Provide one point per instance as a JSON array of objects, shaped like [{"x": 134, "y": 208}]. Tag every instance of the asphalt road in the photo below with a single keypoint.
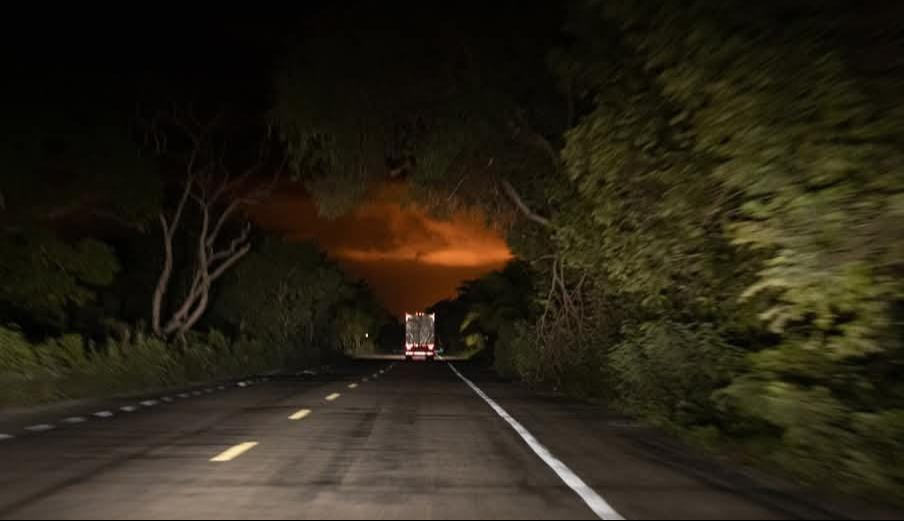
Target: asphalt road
[{"x": 414, "y": 442}]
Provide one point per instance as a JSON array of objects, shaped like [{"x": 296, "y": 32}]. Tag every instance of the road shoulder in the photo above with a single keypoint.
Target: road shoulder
[{"x": 640, "y": 469}]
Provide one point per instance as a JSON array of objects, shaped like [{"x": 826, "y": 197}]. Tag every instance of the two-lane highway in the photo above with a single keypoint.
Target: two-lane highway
[{"x": 378, "y": 439}]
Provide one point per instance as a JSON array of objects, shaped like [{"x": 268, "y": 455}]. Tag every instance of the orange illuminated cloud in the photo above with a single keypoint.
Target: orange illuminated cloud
[
  {"x": 409, "y": 258},
  {"x": 447, "y": 257}
]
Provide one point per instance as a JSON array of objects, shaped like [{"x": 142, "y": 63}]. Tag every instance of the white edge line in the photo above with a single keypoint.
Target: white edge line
[{"x": 597, "y": 504}]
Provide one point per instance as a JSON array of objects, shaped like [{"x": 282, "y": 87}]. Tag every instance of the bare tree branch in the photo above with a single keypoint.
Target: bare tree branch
[
  {"x": 237, "y": 256},
  {"x": 519, "y": 202},
  {"x": 164, "y": 278},
  {"x": 233, "y": 247},
  {"x": 219, "y": 197},
  {"x": 458, "y": 186},
  {"x": 169, "y": 231}
]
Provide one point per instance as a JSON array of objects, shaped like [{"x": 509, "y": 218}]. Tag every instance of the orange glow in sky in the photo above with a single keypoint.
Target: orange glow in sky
[{"x": 410, "y": 259}]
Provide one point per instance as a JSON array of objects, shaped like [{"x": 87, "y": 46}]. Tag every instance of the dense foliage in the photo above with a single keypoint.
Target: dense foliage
[
  {"x": 711, "y": 209},
  {"x": 290, "y": 295},
  {"x": 71, "y": 367}
]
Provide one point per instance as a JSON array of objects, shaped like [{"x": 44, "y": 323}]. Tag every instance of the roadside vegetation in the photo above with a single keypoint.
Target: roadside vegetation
[
  {"x": 128, "y": 262},
  {"x": 707, "y": 205}
]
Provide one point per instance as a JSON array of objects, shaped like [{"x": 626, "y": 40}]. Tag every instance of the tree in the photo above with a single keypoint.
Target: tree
[
  {"x": 285, "y": 292},
  {"x": 219, "y": 195},
  {"x": 450, "y": 314},
  {"x": 41, "y": 277},
  {"x": 356, "y": 329},
  {"x": 497, "y": 298},
  {"x": 803, "y": 149},
  {"x": 737, "y": 193},
  {"x": 484, "y": 308}
]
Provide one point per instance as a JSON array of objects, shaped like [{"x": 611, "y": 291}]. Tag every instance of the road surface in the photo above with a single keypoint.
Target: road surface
[{"x": 417, "y": 441}]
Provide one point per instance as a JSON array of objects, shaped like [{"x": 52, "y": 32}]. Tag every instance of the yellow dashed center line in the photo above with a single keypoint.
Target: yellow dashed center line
[
  {"x": 234, "y": 452},
  {"x": 333, "y": 397},
  {"x": 300, "y": 415}
]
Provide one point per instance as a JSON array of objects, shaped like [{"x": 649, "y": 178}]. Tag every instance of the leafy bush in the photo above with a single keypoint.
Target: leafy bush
[
  {"x": 510, "y": 349},
  {"x": 667, "y": 371},
  {"x": 832, "y": 418},
  {"x": 40, "y": 275}
]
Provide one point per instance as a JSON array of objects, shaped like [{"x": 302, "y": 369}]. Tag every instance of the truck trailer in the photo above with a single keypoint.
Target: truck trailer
[{"x": 420, "y": 336}]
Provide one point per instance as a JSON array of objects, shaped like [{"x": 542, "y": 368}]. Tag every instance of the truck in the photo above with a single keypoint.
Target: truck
[{"x": 420, "y": 336}]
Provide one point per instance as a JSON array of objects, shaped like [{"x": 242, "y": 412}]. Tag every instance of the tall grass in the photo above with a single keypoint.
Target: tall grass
[{"x": 69, "y": 367}]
